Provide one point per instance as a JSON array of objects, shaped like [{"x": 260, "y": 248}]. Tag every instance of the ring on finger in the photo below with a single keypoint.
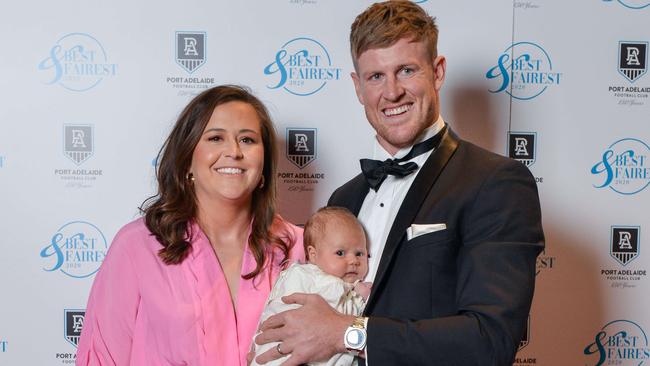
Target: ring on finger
[{"x": 277, "y": 348}]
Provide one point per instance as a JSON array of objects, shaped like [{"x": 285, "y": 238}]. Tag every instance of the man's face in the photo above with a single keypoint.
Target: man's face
[{"x": 399, "y": 88}]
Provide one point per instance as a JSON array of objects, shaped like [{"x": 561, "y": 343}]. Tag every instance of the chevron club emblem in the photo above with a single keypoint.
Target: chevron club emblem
[
  {"x": 78, "y": 144},
  {"x": 632, "y": 59},
  {"x": 190, "y": 50},
  {"x": 301, "y": 146},
  {"x": 73, "y": 324},
  {"x": 624, "y": 243}
]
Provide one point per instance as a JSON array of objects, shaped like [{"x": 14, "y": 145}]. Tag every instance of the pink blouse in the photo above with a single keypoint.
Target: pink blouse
[{"x": 144, "y": 312}]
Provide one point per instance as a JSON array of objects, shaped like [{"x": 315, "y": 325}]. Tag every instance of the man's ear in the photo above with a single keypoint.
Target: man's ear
[
  {"x": 357, "y": 86},
  {"x": 439, "y": 71}
]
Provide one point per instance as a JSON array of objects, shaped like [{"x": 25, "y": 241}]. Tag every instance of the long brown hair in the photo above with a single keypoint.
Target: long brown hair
[{"x": 169, "y": 213}]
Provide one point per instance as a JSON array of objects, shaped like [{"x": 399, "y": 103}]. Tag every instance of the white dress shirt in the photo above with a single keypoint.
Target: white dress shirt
[{"x": 380, "y": 208}]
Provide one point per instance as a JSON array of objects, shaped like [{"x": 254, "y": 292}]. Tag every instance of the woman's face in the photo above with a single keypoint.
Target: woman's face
[{"x": 228, "y": 160}]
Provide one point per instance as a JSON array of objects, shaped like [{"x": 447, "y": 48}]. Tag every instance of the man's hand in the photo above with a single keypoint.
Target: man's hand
[{"x": 313, "y": 332}]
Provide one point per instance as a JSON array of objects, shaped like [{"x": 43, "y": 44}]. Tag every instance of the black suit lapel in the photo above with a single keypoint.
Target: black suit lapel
[
  {"x": 351, "y": 195},
  {"x": 411, "y": 205}
]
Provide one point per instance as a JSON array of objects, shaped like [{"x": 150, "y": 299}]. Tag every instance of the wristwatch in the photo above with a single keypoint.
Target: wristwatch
[{"x": 355, "y": 336}]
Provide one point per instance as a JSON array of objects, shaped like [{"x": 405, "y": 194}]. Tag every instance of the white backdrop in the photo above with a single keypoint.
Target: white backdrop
[{"x": 90, "y": 91}]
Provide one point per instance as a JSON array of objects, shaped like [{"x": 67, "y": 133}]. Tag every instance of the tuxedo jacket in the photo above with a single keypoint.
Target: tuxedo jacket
[{"x": 458, "y": 296}]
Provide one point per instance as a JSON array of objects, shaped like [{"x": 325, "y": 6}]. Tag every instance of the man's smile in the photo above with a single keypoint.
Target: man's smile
[{"x": 389, "y": 112}]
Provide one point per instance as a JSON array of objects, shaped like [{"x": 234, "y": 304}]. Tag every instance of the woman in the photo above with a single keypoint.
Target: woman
[{"x": 186, "y": 284}]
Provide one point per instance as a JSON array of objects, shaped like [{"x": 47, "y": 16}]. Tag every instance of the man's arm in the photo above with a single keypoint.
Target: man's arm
[
  {"x": 501, "y": 238},
  {"x": 313, "y": 332},
  {"x": 301, "y": 282}
]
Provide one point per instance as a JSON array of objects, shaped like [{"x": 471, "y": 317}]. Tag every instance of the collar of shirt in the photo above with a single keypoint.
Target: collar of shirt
[{"x": 380, "y": 154}]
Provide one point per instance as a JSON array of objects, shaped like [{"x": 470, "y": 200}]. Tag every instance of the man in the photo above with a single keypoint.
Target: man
[{"x": 454, "y": 230}]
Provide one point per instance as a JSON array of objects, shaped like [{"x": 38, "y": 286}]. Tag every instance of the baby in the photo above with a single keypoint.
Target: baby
[{"x": 335, "y": 245}]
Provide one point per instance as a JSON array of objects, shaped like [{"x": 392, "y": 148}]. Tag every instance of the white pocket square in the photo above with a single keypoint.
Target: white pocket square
[{"x": 420, "y": 229}]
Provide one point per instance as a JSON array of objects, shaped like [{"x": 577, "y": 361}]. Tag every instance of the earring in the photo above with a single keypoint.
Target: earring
[
  {"x": 189, "y": 176},
  {"x": 261, "y": 185}
]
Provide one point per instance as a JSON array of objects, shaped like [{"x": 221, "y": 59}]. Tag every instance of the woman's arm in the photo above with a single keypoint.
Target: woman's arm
[{"x": 112, "y": 309}]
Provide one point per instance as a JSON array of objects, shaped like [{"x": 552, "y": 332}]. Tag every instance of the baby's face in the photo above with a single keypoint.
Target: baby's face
[{"x": 341, "y": 251}]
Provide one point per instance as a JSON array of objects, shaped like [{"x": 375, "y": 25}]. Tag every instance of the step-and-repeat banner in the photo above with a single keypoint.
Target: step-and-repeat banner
[{"x": 90, "y": 91}]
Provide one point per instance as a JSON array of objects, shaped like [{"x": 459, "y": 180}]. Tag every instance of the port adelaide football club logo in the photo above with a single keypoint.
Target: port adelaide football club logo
[
  {"x": 190, "y": 50},
  {"x": 73, "y": 322},
  {"x": 624, "y": 244},
  {"x": 522, "y": 146},
  {"x": 301, "y": 146},
  {"x": 190, "y": 55},
  {"x": 78, "y": 142},
  {"x": 78, "y": 148},
  {"x": 624, "y": 248},
  {"x": 632, "y": 62},
  {"x": 632, "y": 59},
  {"x": 301, "y": 151}
]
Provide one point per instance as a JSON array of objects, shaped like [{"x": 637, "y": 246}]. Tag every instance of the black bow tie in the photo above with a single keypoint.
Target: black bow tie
[{"x": 376, "y": 171}]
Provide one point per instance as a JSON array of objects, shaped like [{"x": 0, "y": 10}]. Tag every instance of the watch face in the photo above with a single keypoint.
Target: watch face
[{"x": 355, "y": 338}]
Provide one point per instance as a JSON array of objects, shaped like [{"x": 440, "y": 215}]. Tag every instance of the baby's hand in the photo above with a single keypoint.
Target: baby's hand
[{"x": 363, "y": 289}]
